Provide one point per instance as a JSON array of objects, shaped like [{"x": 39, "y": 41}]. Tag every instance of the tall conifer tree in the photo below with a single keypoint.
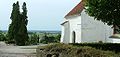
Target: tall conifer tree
[
  {"x": 14, "y": 26},
  {"x": 17, "y": 29},
  {"x": 23, "y": 26}
]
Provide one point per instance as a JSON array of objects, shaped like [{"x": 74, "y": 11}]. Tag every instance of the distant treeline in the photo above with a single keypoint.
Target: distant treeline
[{"x": 40, "y": 31}]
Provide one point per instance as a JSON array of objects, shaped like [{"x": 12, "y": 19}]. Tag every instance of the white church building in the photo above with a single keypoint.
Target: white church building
[{"x": 78, "y": 27}]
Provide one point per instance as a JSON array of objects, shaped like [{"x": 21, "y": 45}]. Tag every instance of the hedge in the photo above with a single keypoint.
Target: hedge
[
  {"x": 115, "y": 47},
  {"x": 66, "y": 50}
]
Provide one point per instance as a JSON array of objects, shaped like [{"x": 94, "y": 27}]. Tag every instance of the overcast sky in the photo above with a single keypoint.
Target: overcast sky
[{"x": 42, "y": 14}]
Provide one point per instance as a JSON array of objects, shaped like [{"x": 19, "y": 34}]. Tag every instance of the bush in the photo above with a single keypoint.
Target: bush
[{"x": 65, "y": 50}]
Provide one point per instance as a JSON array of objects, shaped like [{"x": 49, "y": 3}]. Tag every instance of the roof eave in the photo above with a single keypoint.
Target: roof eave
[
  {"x": 64, "y": 22},
  {"x": 72, "y": 16}
]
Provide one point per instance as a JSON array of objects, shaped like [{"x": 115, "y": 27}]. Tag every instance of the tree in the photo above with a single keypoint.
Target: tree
[
  {"x": 14, "y": 26},
  {"x": 107, "y": 11},
  {"x": 17, "y": 30},
  {"x": 22, "y": 32}
]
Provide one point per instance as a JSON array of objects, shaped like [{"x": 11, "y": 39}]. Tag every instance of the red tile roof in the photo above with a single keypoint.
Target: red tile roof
[{"x": 76, "y": 10}]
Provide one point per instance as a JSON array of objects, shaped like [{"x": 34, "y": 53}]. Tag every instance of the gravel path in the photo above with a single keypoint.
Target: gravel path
[{"x": 17, "y": 51}]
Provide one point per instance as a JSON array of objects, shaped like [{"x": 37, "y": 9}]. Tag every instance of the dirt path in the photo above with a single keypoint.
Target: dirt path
[{"x": 17, "y": 51}]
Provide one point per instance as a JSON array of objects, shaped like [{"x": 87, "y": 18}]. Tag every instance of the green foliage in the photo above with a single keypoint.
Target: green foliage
[
  {"x": 17, "y": 29},
  {"x": 50, "y": 39},
  {"x": 57, "y": 38},
  {"x": 34, "y": 39},
  {"x": 12, "y": 32},
  {"x": 115, "y": 47},
  {"x": 65, "y": 50},
  {"x": 107, "y": 11},
  {"x": 8, "y": 41},
  {"x": 2, "y": 36},
  {"x": 44, "y": 39}
]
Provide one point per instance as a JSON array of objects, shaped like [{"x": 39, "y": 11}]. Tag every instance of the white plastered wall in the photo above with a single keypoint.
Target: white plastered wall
[
  {"x": 75, "y": 26},
  {"x": 93, "y": 30}
]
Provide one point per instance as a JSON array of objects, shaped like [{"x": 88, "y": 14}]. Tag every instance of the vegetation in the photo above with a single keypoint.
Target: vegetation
[
  {"x": 34, "y": 39},
  {"x": 50, "y": 39},
  {"x": 65, "y": 50},
  {"x": 17, "y": 29},
  {"x": 115, "y": 47},
  {"x": 107, "y": 11},
  {"x": 2, "y": 36}
]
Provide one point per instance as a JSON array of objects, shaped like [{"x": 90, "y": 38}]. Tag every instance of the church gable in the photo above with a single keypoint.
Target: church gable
[{"x": 77, "y": 9}]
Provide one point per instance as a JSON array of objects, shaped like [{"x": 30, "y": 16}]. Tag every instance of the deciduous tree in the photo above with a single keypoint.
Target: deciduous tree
[{"x": 107, "y": 11}]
